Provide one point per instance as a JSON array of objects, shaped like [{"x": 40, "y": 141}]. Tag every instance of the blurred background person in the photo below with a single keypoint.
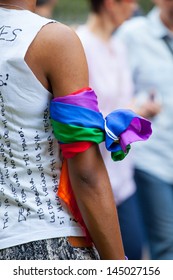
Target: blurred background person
[
  {"x": 45, "y": 8},
  {"x": 110, "y": 77},
  {"x": 137, "y": 10},
  {"x": 150, "y": 48}
]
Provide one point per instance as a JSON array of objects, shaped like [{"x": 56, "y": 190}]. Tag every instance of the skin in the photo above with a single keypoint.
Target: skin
[
  {"x": 147, "y": 110},
  {"x": 110, "y": 16},
  {"x": 166, "y": 12},
  {"x": 57, "y": 59}
]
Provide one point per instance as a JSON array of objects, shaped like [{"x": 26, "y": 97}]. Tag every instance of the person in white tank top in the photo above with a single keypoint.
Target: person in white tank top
[{"x": 41, "y": 60}]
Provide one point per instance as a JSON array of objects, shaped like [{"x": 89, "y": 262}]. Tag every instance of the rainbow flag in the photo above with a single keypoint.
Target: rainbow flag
[{"x": 77, "y": 123}]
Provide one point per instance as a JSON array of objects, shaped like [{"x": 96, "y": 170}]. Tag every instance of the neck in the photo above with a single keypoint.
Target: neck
[
  {"x": 19, "y": 4},
  {"x": 166, "y": 22},
  {"x": 101, "y": 26}
]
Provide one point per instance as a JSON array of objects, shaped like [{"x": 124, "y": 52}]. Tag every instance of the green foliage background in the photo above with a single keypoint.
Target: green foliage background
[
  {"x": 146, "y": 5},
  {"x": 75, "y": 11}
]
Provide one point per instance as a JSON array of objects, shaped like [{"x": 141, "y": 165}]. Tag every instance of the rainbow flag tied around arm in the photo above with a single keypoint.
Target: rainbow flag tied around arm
[{"x": 77, "y": 123}]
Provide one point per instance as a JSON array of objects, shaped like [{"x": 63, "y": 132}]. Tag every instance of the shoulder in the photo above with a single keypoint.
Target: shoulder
[
  {"x": 133, "y": 27},
  {"x": 57, "y": 35},
  {"x": 57, "y": 44},
  {"x": 60, "y": 57},
  {"x": 117, "y": 43}
]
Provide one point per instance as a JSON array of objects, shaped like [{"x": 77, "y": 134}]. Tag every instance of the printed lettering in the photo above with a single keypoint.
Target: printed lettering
[
  {"x": 4, "y": 79},
  {"x": 22, "y": 136},
  {"x": 9, "y": 34}
]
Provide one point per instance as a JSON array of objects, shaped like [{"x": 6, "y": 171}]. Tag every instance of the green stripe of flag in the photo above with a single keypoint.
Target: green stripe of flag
[{"x": 69, "y": 133}]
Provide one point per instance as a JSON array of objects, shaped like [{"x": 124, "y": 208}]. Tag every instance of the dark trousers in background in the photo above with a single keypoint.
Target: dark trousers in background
[
  {"x": 131, "y": 228},
  {"x": 156, "y": 201}
]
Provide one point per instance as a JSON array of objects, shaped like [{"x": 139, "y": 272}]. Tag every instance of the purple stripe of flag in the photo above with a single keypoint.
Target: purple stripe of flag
[{"x": 86, "y": 99}]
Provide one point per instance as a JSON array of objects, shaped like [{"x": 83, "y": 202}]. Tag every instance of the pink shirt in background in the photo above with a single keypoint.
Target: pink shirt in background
[{"x": 110, "y": 78}]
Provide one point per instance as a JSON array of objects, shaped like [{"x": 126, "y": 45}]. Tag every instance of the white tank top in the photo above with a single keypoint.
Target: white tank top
[{"x": 29, "y": 153}]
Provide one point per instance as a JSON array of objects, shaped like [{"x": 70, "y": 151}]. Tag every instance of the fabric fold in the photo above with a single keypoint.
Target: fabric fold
[{"x": 77, "y": 123}]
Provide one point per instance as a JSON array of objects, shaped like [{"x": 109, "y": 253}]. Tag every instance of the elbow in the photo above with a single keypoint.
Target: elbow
[{"x": 87, "y": 179}]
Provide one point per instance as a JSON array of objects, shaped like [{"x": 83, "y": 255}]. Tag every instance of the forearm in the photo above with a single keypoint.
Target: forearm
[
  {"x": 95, "y": 200},
  {"x": 100, "y": 217}
]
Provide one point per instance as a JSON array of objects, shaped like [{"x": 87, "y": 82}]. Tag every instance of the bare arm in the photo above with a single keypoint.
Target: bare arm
[
  {"x": 95, "y": 199},
  {"x": 62, "y": 64}
]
